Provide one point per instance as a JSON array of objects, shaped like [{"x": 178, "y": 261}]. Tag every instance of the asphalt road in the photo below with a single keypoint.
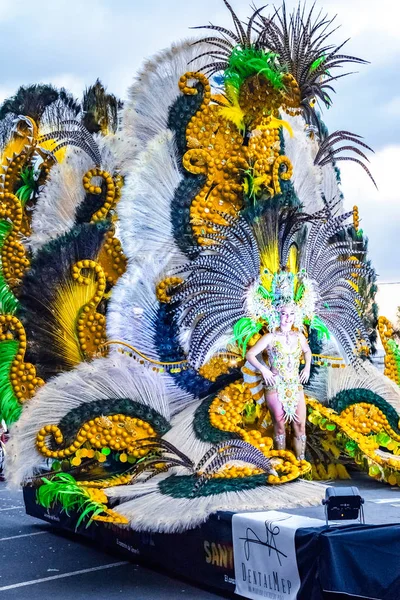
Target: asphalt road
[{"x": 37, "y": 563}]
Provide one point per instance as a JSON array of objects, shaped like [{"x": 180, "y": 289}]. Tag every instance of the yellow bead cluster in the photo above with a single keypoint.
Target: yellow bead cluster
[
  {"x": 367, "y": 445},
  {"x": 18, "y": 153},
  {"x": 96, "y": 494},
  {"x": 112, "y": 258},
  {"x": 13, "y": 169},
  {"x": 13, "y": 256},
  {"x": 96, "y": 189},
  {"x": 22, "y": 375},
  {"x": 356, "y": 219},
  {"x": 91, "y": 325},
  {"x": 189, "y": 90},
  {"x": 385, "y": 329},
  {"x": 264, "y": 146},
  {"x": 225, "y": 410},
  {"x": 110, "y": 482},
  {"x": 163, "y": 288},
  {"x": 258, "y": 98},
  {"x": 219, "y": 365},
  {"x": 365, "y": 418},
  {"x": 117, "y": 432},
  {"x": 112, "y": 517},
  {"x": 291, "y": 95}
]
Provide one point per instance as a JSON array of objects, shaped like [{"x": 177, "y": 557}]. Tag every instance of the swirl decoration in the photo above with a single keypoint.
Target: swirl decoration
[
  {"x": 236, "y": 164},
  {"x": 23, "y": 376},
  {"x": 13, "y": 256},
  {"x": 111, "y": 257},
  {"x": 116, "y": 432},
  {"x": 91, "y": 325}
]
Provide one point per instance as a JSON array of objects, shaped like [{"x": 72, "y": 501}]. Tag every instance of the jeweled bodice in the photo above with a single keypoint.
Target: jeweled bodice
[{"x": 284, "y": 360}]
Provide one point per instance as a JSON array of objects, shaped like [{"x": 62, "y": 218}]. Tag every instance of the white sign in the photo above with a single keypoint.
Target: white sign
[{"x": 265, "y": 554}]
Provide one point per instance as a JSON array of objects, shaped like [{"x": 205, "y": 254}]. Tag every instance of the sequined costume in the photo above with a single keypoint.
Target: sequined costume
[{"x": 284, "y": 363}]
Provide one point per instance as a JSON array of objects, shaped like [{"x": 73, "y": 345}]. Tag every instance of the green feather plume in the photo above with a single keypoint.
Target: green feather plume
[
  {"x": 319, "y": 326},
  {"x": 63, "y": 489},
  {"x": 243, "y": 331},
  {"x": 10, "y": 408},
  {"x": 247, "y": 62},
  {"x": 28, "y": 186}
]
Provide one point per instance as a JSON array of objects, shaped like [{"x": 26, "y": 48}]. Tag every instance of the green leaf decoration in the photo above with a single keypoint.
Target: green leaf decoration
[
  {"x": 320, "y": 327},
  {"x": 265, "y": 293},
  {"x": 10, "y": 408},
  {"x": 317, "y": 62},
  {"x": 63, "y": 489},
  {"x": 247, "y": 62},
  {"x": 395, "y": 350},
  {"x": 351, "y": 448},
  {"x": 299, "y": 293},
  {"x": 26, "y": 190},
  {"x": 243, "y": 331},
  {"x": 383, "y": 439}
]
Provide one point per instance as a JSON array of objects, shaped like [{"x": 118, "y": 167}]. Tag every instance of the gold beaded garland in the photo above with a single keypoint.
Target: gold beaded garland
[
  {"x": 117, "y": 432},
  {"x": 217, "y": 149},
  {"x": 91, "y": 325},
  {"x": 23, "y": 376}
]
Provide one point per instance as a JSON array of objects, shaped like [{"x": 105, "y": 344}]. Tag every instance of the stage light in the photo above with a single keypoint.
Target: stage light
[{"x": 343, "y": 503}]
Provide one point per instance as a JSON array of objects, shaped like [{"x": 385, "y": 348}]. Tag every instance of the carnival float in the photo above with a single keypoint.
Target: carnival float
[{"x": 147, "y": 248}]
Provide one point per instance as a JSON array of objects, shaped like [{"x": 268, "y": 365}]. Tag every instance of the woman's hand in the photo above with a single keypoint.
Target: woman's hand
[
  {"x": 305, "y": 375},
  {"x": 269, "y": 377}
]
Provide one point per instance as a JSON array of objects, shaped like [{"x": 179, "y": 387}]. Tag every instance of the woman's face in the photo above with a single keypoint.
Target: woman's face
[{"x": 287, "y": 316}]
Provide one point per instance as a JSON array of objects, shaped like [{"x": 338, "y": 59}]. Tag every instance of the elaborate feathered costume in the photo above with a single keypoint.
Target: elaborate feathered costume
[{"x": 126, "y": 355}]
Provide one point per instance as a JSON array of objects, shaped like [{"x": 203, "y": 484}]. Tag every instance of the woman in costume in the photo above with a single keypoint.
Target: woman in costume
[{"x": 284, "y": 391}]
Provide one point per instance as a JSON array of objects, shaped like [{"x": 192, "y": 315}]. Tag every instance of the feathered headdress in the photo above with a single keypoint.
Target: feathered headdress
[{"x": 230, "y": 293}]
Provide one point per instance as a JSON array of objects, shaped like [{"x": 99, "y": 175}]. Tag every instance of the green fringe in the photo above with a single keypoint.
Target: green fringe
[
  {"x": 10, "y": 408},
  {"x": 319, "y": 326},
  {"x": 63, "y": 489},
  {"x": 8, "y": 302}
]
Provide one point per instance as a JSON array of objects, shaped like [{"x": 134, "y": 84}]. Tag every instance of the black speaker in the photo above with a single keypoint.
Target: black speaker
[{"x": 343, "y": 503}]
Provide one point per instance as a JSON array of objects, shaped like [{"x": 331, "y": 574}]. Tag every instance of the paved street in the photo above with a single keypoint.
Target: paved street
[{"x": 36, "y": 563}]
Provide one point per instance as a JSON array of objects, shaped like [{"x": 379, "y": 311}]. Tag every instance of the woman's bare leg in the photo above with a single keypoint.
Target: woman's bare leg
[
  {"x": 278, "y": 419},
  {"x": 299, "y": 428}
]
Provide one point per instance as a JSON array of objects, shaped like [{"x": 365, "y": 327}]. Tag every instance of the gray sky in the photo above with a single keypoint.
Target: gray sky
[{"x": 72, "y": 42}]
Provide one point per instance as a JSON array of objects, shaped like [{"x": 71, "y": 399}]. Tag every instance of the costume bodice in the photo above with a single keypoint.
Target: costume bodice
[{"x": 283, "y": 360}]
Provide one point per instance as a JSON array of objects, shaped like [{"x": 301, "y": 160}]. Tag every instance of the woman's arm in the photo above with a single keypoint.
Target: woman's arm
[
  {"x": 251, "y": 356},
  {"x": 305, "y": 374}
]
